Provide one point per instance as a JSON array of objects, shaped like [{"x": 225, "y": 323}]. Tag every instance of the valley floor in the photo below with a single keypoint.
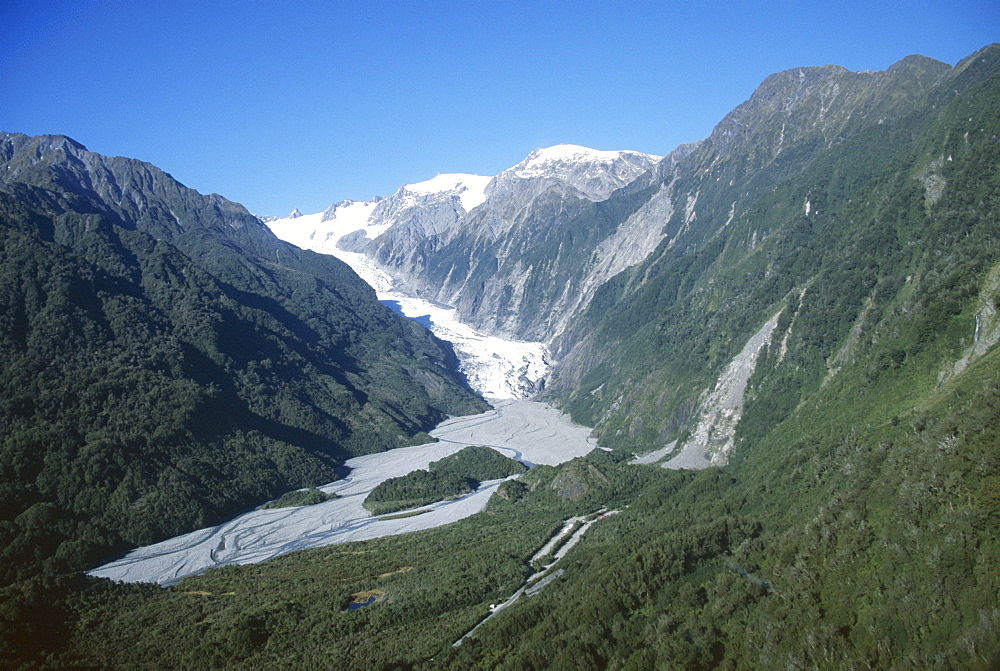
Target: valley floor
[{"x": 532, "y": 432}]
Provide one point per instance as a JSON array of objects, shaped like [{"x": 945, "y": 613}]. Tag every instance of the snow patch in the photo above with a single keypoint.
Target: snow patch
[
  {"x": 542, "y": 162},
  {"x": 471, "y": 189},
  {"x": 322, "y": 231}
]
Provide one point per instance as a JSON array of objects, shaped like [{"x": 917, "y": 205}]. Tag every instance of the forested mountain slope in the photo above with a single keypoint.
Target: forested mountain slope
[
  {"x": 167, "y": 361},
  {"x": 819, "y": 316},
  {"x": 854, "y": 208},
  {"x": 837, "y": 544}
]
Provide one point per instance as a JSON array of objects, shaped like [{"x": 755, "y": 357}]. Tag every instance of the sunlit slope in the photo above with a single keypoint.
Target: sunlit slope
[{"x": 872, "y": 242}]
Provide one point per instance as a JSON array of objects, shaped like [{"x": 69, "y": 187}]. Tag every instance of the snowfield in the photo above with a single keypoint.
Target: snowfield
[
  {"x": 530, "y": 431},
  {"x": 470, "y": 189}
]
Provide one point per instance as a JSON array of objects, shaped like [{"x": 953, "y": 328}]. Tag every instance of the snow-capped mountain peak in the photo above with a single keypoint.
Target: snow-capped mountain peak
[
  {"x": 321, "y": 231},
  {"x": 551, "y": 161},
  {"x": 352, "y": 214},
  {"x": 595, "y": 173}
]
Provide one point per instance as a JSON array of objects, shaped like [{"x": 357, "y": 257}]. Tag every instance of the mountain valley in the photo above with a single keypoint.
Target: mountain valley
[{"x": 781, "y": 340}]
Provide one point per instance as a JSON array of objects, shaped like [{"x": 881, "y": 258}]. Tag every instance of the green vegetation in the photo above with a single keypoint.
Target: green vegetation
[
  {"x": 857, "y": 524},
  {"x": 300, "y": 497},
  {"x": 403, "y": 516},
  {"x": 878, "y": 548},
  {"x": 447, "y": 478},
  {"x": 417, "y": 488},
  {"x": 479, "y": 463},
  {"x": 166, "y": 363}
]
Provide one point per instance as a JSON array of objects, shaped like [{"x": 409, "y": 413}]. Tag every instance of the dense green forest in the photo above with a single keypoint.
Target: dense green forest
[
  {"x": 856, "y": 523},
  {"x": 478, "y": 462},
  {"x": 168, "y": 362},
  {"x": 417, "y": 488},
  {"x": 841, "y": 548},
  {"x": 446, "y": 478},
  {"x": 300, "y": 497}
]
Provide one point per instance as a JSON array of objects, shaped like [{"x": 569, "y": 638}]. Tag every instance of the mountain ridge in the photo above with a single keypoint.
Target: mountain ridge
[
  {"x": 168, "y": 361},
  {"x": 809, "y": 319},
  {"x": 417, "y": 238},
  {"x": 733, "y": 228}
]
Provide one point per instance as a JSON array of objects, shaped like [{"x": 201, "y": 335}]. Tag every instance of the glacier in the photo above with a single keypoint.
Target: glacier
[
  {"x": 495, "y": 367},
  {"x": 407, "y": 231}
]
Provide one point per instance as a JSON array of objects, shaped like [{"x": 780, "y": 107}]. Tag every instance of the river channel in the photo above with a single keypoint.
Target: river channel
[{"x": 532, "y": 432}]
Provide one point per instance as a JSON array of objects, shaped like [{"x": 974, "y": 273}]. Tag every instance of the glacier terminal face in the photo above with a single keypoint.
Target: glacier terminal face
[{"x": 495, "y": 367}]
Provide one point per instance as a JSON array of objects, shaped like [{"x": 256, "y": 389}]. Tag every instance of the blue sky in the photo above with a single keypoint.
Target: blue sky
[{"x": 301, "y": 104}]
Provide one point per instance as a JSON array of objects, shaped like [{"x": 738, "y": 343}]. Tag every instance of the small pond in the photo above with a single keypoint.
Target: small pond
[{"x": 362, "y": 599}]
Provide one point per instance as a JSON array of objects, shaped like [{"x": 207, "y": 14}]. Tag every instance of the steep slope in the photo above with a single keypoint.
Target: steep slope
[
  {"x": 516, "y": 254},
  {"x": 825, "y": 326},
  {"x": 509, "y": 265},
  {"x": 817, "y": 213},
  {"x": 168, "y": 361}
]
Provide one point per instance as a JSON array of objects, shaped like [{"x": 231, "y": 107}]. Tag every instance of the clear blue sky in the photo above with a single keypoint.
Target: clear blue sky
[{"x": 300, "y": 104}]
